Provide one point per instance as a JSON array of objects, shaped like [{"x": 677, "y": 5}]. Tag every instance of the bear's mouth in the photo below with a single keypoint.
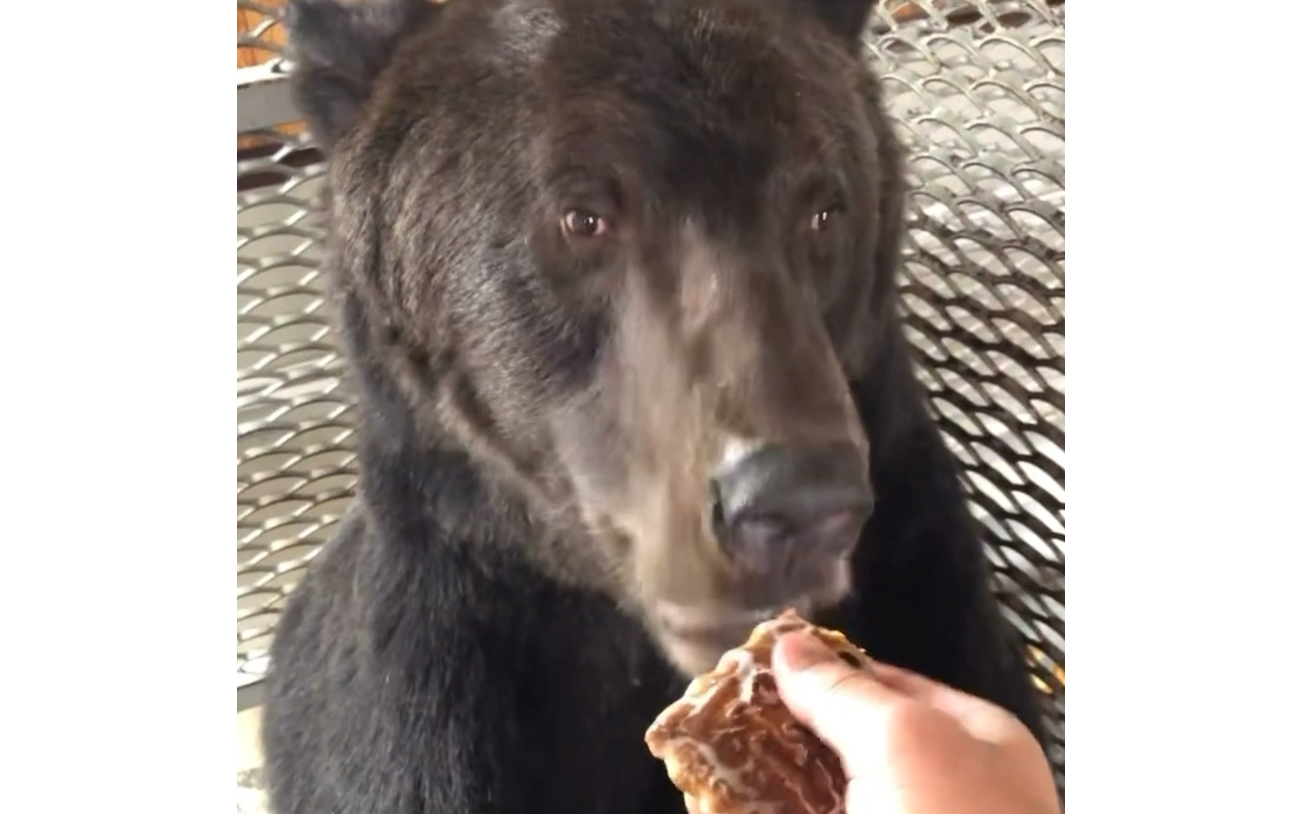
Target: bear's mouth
[
  {"x": 706, "y": 621},
  {"x": 695, "y": 637}
]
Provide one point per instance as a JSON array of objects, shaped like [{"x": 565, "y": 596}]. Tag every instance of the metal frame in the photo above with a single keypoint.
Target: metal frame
[{"x": 262, "y": 97}]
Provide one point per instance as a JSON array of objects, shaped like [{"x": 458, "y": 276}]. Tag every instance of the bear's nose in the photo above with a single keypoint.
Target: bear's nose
[{"x": 782, "y": 511}]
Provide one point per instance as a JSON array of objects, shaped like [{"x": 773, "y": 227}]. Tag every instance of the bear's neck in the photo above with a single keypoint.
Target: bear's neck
[
  {"x": 415, "y": 483},
  {"x": 421, "y": 490},
  {"x": 419, "y": 487}
]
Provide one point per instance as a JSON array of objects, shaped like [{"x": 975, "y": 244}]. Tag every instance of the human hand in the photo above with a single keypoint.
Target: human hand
[{"x": 910, "y": 745}]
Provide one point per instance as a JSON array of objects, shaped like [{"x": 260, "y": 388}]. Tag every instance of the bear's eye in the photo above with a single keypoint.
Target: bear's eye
[
  {"x": 583, "y": 224},
  {"x": 824, "y": 218}
]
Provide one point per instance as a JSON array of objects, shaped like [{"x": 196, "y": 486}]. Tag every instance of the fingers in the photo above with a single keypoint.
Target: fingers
[
  {"x": 906, "y": 741},
  {"x": 983, "y": 720},
  {"x": 838, "y": 702}
]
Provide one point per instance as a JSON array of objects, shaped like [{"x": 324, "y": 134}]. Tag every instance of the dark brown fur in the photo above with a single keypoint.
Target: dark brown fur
[{"x": 542, "y": 413}]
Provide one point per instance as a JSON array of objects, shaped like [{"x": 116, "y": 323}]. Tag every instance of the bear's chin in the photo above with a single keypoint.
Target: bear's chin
[{"x": 693, "y": 639}]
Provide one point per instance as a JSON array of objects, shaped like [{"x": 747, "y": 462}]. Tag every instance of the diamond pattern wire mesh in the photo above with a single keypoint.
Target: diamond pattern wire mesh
[
  {"x": 294, "y": 424},
  {"x": 977, "y": 91},
  {"x": 260, "y": 34}
]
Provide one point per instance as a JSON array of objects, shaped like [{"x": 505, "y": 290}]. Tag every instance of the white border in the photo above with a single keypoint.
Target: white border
[
  {"x": 117, "y": 304},
  {"x": 1184, "y": 436}
]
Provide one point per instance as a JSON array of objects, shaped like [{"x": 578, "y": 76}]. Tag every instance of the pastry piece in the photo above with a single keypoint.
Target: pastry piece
[{"x": 733, "y": 747}]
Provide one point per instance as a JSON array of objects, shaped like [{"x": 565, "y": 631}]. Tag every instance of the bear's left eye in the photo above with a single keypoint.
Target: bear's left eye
[
  {"x": 583, "y": 224},
  {"x": 824, "y": 218}
]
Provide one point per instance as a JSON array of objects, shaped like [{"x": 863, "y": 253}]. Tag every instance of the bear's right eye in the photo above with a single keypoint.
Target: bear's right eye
[{"x": 581, "y": 223}]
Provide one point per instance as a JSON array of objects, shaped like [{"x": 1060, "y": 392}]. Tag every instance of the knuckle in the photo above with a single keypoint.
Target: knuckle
[{"x": 909, "y": 721}]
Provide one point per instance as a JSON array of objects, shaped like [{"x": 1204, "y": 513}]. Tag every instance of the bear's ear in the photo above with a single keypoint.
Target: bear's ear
[
  {"x": 338, "y": 47},
  {"x": 846, "y": 18}
]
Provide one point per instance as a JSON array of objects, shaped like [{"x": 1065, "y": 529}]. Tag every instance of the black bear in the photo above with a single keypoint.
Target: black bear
[{"x": 615, "y": 283}]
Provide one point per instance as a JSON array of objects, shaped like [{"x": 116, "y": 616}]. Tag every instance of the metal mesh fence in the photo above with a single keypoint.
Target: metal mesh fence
[
  {"x": 260, "y": 33},
  {"x": 977, "y": 92},
  {"x": 294, "y": 422},
  {"x": 976, "y": 88}
]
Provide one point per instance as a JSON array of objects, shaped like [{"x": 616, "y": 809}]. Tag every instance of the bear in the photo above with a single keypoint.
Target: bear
[{"x": 615, "y": 283}]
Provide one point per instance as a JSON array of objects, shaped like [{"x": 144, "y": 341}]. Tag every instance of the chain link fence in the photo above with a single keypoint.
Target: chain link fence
[{"x": 976, "y": 88}]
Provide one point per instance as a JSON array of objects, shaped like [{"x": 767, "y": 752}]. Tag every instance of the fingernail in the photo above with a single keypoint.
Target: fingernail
[{"x": 803, "y": 651}]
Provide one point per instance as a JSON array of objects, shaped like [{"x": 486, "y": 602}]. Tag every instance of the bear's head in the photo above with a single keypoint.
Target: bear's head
[{"x": 627, "y": 255}]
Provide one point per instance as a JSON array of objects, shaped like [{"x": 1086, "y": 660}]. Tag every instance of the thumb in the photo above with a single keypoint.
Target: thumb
[{"x": 843, "y": 705}]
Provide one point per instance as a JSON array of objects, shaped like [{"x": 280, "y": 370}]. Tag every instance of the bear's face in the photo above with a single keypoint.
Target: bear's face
[{"x": 623, "y": 247}]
